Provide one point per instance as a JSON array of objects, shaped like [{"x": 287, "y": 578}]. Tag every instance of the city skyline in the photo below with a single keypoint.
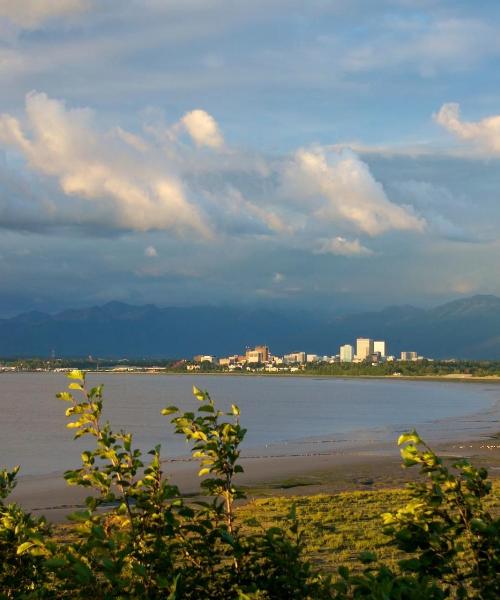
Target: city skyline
[{"x": 367, "y": 350}]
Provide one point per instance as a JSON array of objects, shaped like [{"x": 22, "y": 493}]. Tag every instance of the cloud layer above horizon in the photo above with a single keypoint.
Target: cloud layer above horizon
[{"x": 160, "y": 152}]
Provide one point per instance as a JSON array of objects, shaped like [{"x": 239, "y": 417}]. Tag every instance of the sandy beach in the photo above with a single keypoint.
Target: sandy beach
[{"x": 369, "y": 467}]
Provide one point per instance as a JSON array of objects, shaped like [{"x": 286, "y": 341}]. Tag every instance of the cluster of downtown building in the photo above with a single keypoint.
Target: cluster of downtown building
[
  {"x": 374, "y": 351},
  {"x": 365, "y": 351}
]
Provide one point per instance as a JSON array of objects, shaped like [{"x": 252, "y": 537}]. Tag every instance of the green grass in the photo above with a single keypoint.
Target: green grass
[{"x": 337, "y": 528}]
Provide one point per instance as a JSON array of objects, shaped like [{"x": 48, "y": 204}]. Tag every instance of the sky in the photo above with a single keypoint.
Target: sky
[{"x": 321, "y": 155}]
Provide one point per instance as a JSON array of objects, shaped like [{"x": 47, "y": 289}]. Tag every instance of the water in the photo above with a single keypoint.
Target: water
[{"x": 283, "y": 415}]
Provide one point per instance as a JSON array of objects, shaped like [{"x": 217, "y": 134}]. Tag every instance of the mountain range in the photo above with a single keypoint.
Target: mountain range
[{"x": 468, "y": 328}]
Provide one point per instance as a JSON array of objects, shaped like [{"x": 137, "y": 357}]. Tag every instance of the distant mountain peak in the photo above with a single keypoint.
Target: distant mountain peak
[
  {"x": 32, "y": 316},
  {"x": 479, "y": 305},
  {"x": 464, "y": 328}
]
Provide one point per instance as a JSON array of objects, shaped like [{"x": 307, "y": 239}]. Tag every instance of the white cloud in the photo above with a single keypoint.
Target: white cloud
[
  {"x": 343, "y": 247},
  {"x": 135, "y": 141},
  {"x": 150, "y": 252},
  {"x": 31, "y": 13},
  {"x": 340, "y": 188},
  {"x": 137, "y": 195},
  {"x": 484, "y": 134},
  {"x": 120, "y": 180},
  {"x": 203, "y": 129}
]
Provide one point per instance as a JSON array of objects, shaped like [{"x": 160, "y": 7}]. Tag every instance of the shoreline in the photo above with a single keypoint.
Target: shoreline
[
  {"x": 455, "y": 378},
  {"x": 368, "y": 467},
  {"x": 310, "y": 466}
]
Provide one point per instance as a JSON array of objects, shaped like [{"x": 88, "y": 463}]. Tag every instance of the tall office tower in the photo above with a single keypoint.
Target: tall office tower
[
  {"x": 260, "y": 354},
  {"x": 346, "y": 353},
  {"x": 379, "y": 346},
  {"x": 264, "y": 350},
  {"x": 364, "y": 348},
  {"x": 409, "y": 356}
]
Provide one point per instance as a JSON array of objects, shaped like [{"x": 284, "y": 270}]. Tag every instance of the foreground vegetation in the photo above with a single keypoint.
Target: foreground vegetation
[
  {"x": 338, "y": 529},
  {"x": 138, "y": 538}
]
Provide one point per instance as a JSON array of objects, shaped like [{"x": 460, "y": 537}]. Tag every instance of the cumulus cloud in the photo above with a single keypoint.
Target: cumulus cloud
[
  {"x": 124, "y": 181},
  {"x": 484, "y": 134},
  {"x": 138, "y": 195},
  {"x": 150, "y": 252},
  {"x": 31, "y": 13},
  {"x": 343, "y": 247},
  {"x": 203, "y": 129},
  {"x": 341, "y": 188}
]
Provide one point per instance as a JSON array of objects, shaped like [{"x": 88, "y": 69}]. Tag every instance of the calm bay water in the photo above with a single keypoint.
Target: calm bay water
[{"x": 284, "y": 415}]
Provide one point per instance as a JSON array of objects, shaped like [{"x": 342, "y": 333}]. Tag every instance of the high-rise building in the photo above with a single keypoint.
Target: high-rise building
[
  {"x": 264, "y": 350},
  {"x": 379, "y": 346},
  {"x": 409, "y": 356},
  {"x": 346, "y": 353},
  {"x": 364, "y": 348},
  {"x": 260, "y": 354}
]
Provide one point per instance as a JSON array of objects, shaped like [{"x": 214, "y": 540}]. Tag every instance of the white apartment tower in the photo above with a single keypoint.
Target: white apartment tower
[
  {"x": 346, "y": 353},
  {"x": 379, "y": 346},
  {"x": 364, "y": 348}
]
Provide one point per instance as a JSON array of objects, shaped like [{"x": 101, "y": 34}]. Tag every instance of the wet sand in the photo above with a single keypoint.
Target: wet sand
[{"x": 368, "y": 468}]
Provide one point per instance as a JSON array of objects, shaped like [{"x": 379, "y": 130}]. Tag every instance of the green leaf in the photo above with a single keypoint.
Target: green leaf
[
  {"x": 169, "y": 410},
  {"x": 79, "y": 516},
  {"x": 235, "y": 410},
  {"x": 367, "y": 557},
  {"x": 227, "y": 537},
  {"x": 203, "y": 471},
  {"x": 344, "y": 572},
  {"x": 24, "y": 547},
  {"x": 76, "y": 374},
  {"x": 409, "y": 436},
  {"x": 198, "y": 394},
  {"x": 75, "y": 386},
  {"x": 55, "y": 563},
  {"x": 66, "y": 396}
]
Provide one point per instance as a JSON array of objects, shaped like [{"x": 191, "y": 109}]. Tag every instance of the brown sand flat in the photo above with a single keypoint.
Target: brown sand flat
[{"x": 362, "y": 468}]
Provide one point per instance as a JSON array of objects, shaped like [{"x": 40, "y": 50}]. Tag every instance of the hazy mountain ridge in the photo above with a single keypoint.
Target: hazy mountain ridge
[{"x": 465, "y": 328}]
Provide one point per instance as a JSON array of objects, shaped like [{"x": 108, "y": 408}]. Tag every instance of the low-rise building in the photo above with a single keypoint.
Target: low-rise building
[
  {"x": 294, "y": 357},
  {"x": 229, "y": 360},
  {"x": 200, "y": 358},
  {"x": 409, "y": 356}
]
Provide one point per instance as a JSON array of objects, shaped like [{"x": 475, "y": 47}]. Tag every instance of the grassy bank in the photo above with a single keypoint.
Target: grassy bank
[{"x": 337, "y": 528}]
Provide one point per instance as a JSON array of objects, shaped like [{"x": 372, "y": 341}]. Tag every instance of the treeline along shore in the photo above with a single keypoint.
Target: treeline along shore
[{"x": 464, "y": 370}]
